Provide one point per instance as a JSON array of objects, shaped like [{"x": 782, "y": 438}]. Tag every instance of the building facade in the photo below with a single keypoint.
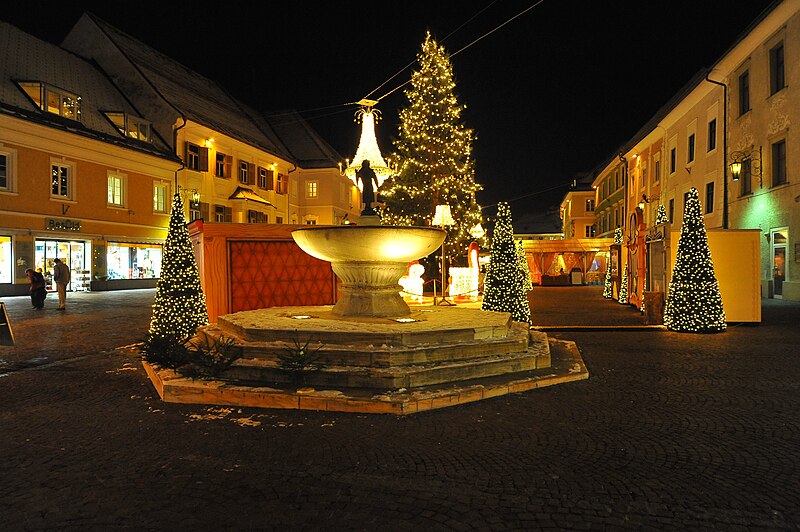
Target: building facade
[{"x": 99, "y": 133}]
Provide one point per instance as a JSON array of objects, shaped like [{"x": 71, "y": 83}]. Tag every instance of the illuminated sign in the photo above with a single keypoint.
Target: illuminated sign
[{"x": 61, "y": 224}]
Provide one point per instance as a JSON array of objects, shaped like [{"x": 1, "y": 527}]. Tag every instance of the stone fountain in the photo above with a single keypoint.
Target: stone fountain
[{"x": 378, "y": 355}]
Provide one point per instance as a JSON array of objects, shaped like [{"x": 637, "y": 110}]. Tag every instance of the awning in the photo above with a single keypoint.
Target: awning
[{"x": 244, "y": 193}]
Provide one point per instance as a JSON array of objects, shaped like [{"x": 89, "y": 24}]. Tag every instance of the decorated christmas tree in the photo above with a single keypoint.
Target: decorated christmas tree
[
  {"x": 694, "y": 302},
  {"x": 180, "y": 306},
  {"x": 607, "y": 284},
  {"x": 434, "y": 156},
  {"x": 661, "y": 215},
  {"x": 623, "y": 286},
  {"x": 526, "y": 271},
  {"x": 504, "y": 286}
]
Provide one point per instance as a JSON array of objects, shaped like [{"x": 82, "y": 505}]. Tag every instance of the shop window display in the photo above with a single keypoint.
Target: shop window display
[
  {"x": 133, "y": 261},
  {"x": 6, "y": 266},
  {"x": 74, "y": 253}
]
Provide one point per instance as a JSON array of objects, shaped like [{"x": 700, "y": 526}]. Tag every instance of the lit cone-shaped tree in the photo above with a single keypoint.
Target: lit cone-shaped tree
[
  {"x": 434, "y": 156},
  {"x": 623, "y": 286},
  {"x": 180, "y": 305},
  {"x": 618, "y": 235},
  {"x": 607, "y": 284},
  {"x": 504, "y": 286},
  {"x": 694, "y": 302},
  {"x": 527, "y": 284},
  {"x": 661, "y": 215}
]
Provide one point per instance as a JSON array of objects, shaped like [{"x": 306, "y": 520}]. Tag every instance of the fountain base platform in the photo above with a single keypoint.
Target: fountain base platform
[{"x": 433, "y": 358}]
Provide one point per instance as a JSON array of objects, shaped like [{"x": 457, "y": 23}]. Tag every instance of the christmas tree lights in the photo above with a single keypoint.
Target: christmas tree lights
[
  {"x": 526, "y": 271},
  {"x": 623, "y": 286},
  {"x": 694, "y": 302},
  {"x": 179, "y": 307},
  {"x": 504, "y": 285},
  {"x": 607, "y": 284},
  {"x": 661, "y": 215},
  {"x": 434, "y": 156}
]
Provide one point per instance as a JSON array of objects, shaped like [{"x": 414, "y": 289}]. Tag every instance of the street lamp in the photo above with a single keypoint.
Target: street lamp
[
  {"x": 747, "y": 161},
  {"x": 443, "y": 217}
]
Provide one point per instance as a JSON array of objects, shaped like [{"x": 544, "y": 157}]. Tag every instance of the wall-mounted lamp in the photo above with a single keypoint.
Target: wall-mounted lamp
[
  {"x": 191, "y": 193},
  {"x": 645, "y": 200},
  {"x": 746, "y": 162}
]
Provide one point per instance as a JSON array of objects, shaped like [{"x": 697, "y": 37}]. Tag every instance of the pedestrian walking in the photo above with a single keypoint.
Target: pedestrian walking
[
  {"x": 61, "y": 276},
  {"x": 37, "y": 288}
]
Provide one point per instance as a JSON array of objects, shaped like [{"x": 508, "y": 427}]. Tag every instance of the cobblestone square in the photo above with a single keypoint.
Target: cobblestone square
[{"x": 670, "y": 431}]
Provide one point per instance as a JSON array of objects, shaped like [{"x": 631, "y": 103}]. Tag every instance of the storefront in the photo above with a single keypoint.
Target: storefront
[
  {"x": 74, "y": 253},
  {"x": 6, "y": 261}
]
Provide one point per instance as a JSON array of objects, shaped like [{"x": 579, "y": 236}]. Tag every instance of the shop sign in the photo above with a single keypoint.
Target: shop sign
[{"x": 62, "y": 224}]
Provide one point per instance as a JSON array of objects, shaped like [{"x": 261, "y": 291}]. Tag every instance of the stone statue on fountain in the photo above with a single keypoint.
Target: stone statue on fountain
[{"x": 367, "y": 176}]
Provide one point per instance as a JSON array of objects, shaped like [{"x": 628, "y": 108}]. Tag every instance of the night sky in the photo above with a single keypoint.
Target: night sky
[{"x": 552, "y": 93}]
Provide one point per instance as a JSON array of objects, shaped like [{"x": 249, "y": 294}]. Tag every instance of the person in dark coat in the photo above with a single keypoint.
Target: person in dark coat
[{"x": 37, "y": 288}]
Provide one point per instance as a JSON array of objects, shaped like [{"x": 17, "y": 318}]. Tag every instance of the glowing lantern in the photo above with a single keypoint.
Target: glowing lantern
[{"x": 368, "y": 146}]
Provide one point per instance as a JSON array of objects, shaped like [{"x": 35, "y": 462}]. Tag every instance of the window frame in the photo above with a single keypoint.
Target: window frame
[
  {"x": 43, "y": 99},
  {"x": 709, "y": 198},
  {"x": 70, "y": 167},
  {"x": 744, "y": 92},
  {"x": 746, "y": 178},
  {"x": 711, "y": 130},
  {"x": 777, "y": 68},
  {"x": 10, "y": 186},
  {"x": 161, "y": 185},
  {"x": 122, "y": 189},
  {"x": 691, "y": 141},
  {"x": 777, "y": 179},
  {"x": 312, "y": 189}
]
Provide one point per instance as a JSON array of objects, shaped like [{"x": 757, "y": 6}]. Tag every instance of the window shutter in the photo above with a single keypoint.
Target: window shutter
[
  {"x": 186, "y": 152},
  {"x": 228, "y": 164},
  {"x": 251, "y": 174},
  {"x": 204, "y": 212},
  {"x": 270, "y": 180},
  {"x": 228, "y": 214},
  {"x": 203, "y": 159}
]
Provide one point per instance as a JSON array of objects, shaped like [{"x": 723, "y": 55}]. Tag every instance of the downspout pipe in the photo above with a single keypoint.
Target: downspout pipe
[
  {"x": 175, "y": 147},
  {"x": 724, "y": 148}
]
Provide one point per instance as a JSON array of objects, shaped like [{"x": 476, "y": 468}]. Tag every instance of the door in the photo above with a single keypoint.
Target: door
[{"x": 779, "y": 241}]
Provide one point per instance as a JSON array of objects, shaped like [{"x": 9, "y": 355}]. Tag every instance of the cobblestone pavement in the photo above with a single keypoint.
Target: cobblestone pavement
[{"x": 671, "y": 431}]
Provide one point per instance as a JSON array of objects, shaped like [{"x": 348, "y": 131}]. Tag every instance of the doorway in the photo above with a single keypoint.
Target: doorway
[{"x": 779, "y": 240}]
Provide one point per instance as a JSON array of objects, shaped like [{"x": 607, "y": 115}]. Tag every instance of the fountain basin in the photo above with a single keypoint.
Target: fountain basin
[{"x": 369, "y": 260}]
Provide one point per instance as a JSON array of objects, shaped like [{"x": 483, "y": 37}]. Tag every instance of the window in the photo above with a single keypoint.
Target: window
[
  {"x": 311, "y": 189},
  {"x": 279, "y": 219},
  {"x": 777, "y": 81},
  {"x": 222, "y": 165},
  {"x": 282, "y": 187},
  {"x": 709, "y": 197},
  {"x": 644, "y": 172},
  {"x": 160, "y": 192},
  {"x": 223, "y": 213},
  {"x": 744, "y": 92},
  {"x": 4, "y": 171},
  {"x": 265, "y": 178},
  {"x": 673, "y": 160},
  {"x": 196, "y": 157},
  {"x": 132, "y": 126},
  {"x": 685, "y": 200},
  {"x": 247, "y": 173},
  {"x": 53, "y": 100},
  {"x": 6, "y": 263},
  {"x": 690, "y": 149},
  {"x": 589, "y": 205},
  {"x": 61, "y": 181},
  {"x": 779, "y": 163},
  {"x": 672, "y": 209},
  {"x": 712, "y": 135},
  {"x": 656, "y": 170},
  {"x": 7, "y": 170},
  {"x": 133, "y": 261},
  {"x": 257, "y": 217},
  {"x": 746, "y": 178},
  {"x": 115, "y": 190},
  {"x": 195, "y": 212},
  {"x": 590, "y": 231}
]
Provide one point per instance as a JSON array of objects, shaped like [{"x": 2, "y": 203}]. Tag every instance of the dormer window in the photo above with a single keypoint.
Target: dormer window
[
  {"x": 131, "y": 126},
  {"x": 52, "y": 99}
]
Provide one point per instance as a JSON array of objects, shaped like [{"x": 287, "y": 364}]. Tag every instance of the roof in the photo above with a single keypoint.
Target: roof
[
  {"x": 310, "y": 150},
  {"x": 24, "y": 57},
  {"x": 196, "y": 97},
  {"x": 247, "y": 194},
  {"x": 538, "y": 223}
]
